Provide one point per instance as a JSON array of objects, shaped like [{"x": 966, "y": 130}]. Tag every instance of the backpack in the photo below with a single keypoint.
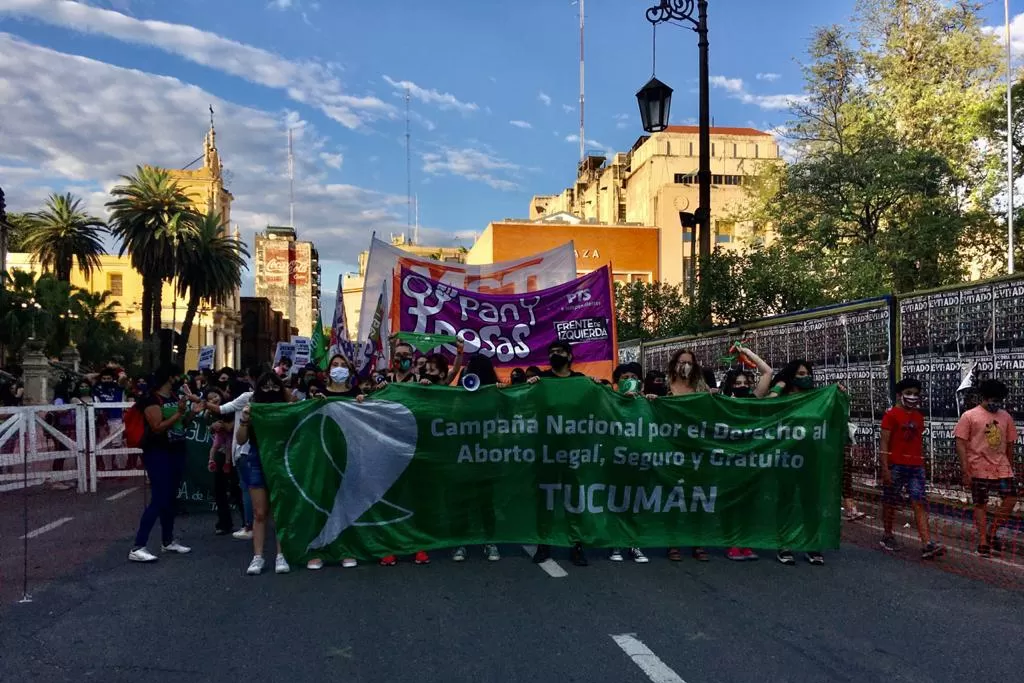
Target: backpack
[{"x": 134, "y": 427}]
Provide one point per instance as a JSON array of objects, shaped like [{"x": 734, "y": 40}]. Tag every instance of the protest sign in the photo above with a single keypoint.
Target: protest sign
[
  {"x": 515, "y": 330},
  {"x": 302, "y": 352},
  {"x": 284, "y": 350},
  {"x": 206, "y": 355},
  {"x": 421, "y": 468}
]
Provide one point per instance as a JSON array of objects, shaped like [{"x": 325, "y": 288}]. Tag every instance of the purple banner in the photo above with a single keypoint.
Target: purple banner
[{"x": 514, "y": 330}]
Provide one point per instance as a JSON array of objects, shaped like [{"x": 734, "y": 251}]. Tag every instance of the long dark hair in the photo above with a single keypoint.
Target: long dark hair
[
  {"x": 277, "y": 396},
  {"x": 696, "y": 372},
  {"x": 728, "y": 384},
  {"x": 788, "y": 374},
  {"x": 482, "y": 367}
]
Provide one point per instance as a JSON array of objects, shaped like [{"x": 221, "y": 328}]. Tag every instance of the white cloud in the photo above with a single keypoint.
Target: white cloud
[
  {"x": 786, "y": 148},
  {"x": 521, "y": 124},
  {"x": 591, "y": 144},
  {"x": 545, "y": 98},
  {"x": 770, "y": 77},
  {"x": 1016, "y": 36},
  {"x": 738, "y": 90},
  {"x": 568, "y": 108},
  {"x": 332, "y": 160},
  {"x": 311, "y": 83},
  {"x": 622, "y": 121},
  {"x": 80, "y": 123},
  {"x": 472, "y": 164},
  {"x": 281, "y": 4},
  {"x": 443, "y": 101}
]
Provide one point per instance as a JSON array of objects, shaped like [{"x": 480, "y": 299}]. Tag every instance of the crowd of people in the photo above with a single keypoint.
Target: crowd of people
[{"x": 170, "y": 401}]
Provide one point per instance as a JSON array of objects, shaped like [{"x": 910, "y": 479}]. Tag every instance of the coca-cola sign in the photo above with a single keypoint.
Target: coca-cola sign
[
  {"x": 298, "y": 266},
  {"x": 275, "y": 264}
]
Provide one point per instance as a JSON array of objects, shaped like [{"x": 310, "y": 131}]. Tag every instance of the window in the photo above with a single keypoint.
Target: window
[
  {"x": 115, "y": 284},
  {"x": 712, "y": 149},
  {"x": 621, "y": 277},
  {"x": 687, "y": 269},
  {"x": 685, "y": 178},
  {"x": 638, "y": 277},
  {"x": 733, "y": 180},
  {"x": 717, "y": 179},
  {"x": 724, "y": 231},
  {"x": 757, "y": 151},
  {"x": 691, "y": 149},
  {"x": 735, "y": 150}
]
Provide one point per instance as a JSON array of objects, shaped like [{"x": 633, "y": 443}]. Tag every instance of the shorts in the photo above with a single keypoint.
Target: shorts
[
  {"x": 982, "y": 488},
  {"x": 909, "y": 478},
  {"x": 254, "y": 471}
]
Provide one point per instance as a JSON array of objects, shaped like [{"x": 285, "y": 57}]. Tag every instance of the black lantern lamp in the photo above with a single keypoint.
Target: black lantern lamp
[{"x": 655, "y": 100}]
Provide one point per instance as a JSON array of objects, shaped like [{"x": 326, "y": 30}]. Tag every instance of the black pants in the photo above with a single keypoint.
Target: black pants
[{"x": 226, "y": 493}]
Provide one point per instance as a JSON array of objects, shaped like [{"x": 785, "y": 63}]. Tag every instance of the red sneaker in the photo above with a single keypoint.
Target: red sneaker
[
  {"x": 227, "y": 466},
  {"x": 211, "y": 465},
  {"x": 735, "y": 554},
  {"x": 389, "y": 561},
  {"x": 422, "y": 558},
  {"x": 749, "y": 554}
]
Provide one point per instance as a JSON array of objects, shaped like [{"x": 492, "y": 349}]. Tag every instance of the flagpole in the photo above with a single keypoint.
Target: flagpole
[{"x": 1009, "y": 140}]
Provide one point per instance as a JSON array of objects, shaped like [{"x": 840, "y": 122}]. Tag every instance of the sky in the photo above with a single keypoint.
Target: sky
[{"x": 90, "y": 89}]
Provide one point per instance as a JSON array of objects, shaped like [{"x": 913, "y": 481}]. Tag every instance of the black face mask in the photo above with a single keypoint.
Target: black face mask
[
  {"x": 276, "y": 396},
  {"x": 741, "y": 392},
  {"x": 433, "y": 379},
  {"x": 558, "y": 362}
]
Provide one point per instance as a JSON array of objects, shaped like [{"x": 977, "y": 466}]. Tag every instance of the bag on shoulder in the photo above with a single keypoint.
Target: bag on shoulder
[{"x": 134, "y": 427}]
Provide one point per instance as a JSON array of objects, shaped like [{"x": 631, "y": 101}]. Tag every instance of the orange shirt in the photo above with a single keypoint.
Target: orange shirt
[
  {"x": 906, "y": 436},
  {"x": 986, "y": 436}
]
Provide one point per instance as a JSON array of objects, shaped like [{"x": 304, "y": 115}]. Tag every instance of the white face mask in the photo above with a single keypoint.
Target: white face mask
[
  {"x": 687, "y": 367},
  {"x": 339, "y": 375}
]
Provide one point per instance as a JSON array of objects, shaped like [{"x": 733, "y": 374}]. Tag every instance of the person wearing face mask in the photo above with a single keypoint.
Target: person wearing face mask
[
  {"x": 740, "y": 383},
  {"x": 626, "y": 379},
  {"x": 796, "y": 377},
  {"x": 685, "y": 376},
  {"x": 654, "y": 384},
  {"x": 306, "y": 378},
  {"x": 560, "y": 358},
  {"x": 902, "y": 449},
  {"x": 402, "y": 369},
  {"x": 341, "y": 378},
  {"x": 985, "y": 436}
]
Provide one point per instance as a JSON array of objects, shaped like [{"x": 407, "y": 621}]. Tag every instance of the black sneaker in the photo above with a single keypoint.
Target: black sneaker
[
  {"x": 578, "y": 557},
  {"x": 932, "y": 550},
  {"x": 542, "y": 555},
  {"x": 786, "y": 557},
  {"x": 816, "y": 558},
  {"x": 222, "y": 532},
  {"x": 888, "y": 544},
  {"x": 984, "y": 551},
  {"x": 996, "y": 545}
]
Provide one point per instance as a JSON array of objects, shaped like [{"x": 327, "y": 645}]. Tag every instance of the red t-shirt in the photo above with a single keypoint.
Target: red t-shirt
[{"x": 906, "y": 436}]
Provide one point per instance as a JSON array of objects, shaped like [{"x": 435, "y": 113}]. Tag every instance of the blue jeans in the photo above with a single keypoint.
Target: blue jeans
[
  {"x": 165, "y": 466},
  {"x": 243, "y": 477}
]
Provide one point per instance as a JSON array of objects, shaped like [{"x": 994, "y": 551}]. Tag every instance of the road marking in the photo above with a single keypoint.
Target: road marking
[
  {"x": 656, "y": 670},
  {"x": 14, "y": 486},
  {"x": 552, "y": 568},
  {"x": 122, "y": 494},
  {"x": 48, "y": 527},
  {"x": 949, "y": 549}
]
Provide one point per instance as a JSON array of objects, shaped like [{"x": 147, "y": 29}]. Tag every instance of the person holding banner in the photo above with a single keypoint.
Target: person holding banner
[
  {"x": 686, "y": 376},
  {"x": 341, "y": 379},
  {"x": 626, "y": 379},
  {"x": 402, "y": 369},
  {"x": 560, "y": 358}
]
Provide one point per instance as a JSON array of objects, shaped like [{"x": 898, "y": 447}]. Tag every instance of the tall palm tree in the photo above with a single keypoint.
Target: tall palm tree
[
  {"x": 210, "y": 269},
  {"x": 62, "y": 234},
  {"x": 153, "y": 218}
]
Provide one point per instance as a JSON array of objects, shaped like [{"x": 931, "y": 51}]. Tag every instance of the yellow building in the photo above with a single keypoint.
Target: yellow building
[
  {"x": 219, "y": 324},
  {"x": 352, "y": 283},
  {"x": 657, "y": 179}
]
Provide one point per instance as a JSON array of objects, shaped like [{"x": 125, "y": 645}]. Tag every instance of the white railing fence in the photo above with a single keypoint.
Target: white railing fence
[{"x": 64, "y": 444}]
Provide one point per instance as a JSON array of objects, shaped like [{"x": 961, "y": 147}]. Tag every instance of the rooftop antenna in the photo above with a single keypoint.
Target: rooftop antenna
[
  {"x": 291, "y": 182},
  {"x": 416, "y": 228},
  {"x": 582, "y": 138},
  {"x": 408, "y": 164},
  {"x": 1009, "y": 141}
]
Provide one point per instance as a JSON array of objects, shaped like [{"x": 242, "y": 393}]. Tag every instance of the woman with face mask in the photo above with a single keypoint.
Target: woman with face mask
[
  {"x": 269, "y": 389},
  {"x": 795, "y": 378},
  {"x": 341, "y": 378},
  {"x": 740, "y": 383},
  {"x": 685, "y": 376},
  {"x": 306, "y": 379}
]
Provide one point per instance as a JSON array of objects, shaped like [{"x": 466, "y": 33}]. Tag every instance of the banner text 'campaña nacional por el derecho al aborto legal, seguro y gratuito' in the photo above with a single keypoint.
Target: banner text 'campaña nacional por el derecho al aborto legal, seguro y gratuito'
[{"x": 421, "y": 468}]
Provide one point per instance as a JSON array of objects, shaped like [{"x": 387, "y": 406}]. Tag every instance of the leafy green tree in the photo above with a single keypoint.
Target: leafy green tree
[
  {"x": 651, "y": 310},
  {"x": 63, "y": 234},
  {"x": 154, "y": 220},
  {"x": 210, "y": 270}
]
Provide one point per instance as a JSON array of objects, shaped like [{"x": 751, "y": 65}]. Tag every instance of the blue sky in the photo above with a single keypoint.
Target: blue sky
[{"x": 92, "y": 88}]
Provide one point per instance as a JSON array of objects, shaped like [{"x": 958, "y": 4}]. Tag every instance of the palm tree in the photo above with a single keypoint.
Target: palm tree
[
  {"x": 153, "y": 218},
  {"x": 210, "y": 269},
  {"x": 62, "y": 234}
]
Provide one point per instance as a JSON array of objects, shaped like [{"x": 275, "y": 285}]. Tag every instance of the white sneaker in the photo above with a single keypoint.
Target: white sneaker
[
  {"x": 615, "y": 555},
  {"x": 638, "y": 556},
  {"x": 349, "y": 562},
  {"x": 243, "y": 534},
  {"x": 142, "y": 555},
  {"x": 315, "y": 564},
  {"x": 256, "y": 566},
  {"x": 281, "y": 565},
  {"x": 175, "y": 547}
]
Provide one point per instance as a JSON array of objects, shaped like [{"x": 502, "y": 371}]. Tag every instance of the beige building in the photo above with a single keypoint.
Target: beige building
[
  {"x": 216, "y": 323},
  {"x": 657, "y": 179},
  {"x": 352, "y": 283},
  {"x": 288, "y": 274}
]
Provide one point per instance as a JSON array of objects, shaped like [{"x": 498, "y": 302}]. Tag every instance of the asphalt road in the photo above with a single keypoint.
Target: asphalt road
[{"x": 863, "y": 617}]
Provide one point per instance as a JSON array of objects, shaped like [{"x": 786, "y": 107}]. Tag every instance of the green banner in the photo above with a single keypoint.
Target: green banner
[
  {"x": 420, "y": 468},
  {"x": 196, "y": 488}
]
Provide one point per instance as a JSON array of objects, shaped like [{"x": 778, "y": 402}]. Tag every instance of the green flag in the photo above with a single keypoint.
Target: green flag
[
  {"x": 425, "y": 343},
  {"x": 419, "y": 467},
  {"x": 318, "y": 344}
]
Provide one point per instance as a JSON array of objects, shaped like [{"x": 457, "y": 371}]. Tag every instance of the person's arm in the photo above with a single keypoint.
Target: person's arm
[
  {"x": 764, "y": 382},
  {"x": 242, "y": 433},
  {"x": 1011, "y": 439},
  {"x": 232, "y": 406},
  {"x": 155, "y": 417},
  {"x": 460, "y": 348},
  {"x": 961, "y": 452},
  {"x": 777, "y": 390},
  {"x": 884, "y": 453}
]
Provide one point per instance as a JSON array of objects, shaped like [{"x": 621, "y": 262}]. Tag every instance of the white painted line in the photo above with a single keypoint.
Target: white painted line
[
  {"x": 949, "y": 549},
  {"x": 47, "y": 527},
  {"x": 122, "y": 494},
  {"x": 550, "y": 567},
  {"x": 656, "y": 670},
  {"x": 14, "y": 486}
]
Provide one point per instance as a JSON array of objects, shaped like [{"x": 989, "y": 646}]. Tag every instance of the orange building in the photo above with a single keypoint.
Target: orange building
[{"x": 632, "y": 250}]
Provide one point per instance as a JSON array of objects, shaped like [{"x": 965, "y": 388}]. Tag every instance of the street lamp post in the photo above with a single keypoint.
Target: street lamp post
[{"x": 655, "y": 101}]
